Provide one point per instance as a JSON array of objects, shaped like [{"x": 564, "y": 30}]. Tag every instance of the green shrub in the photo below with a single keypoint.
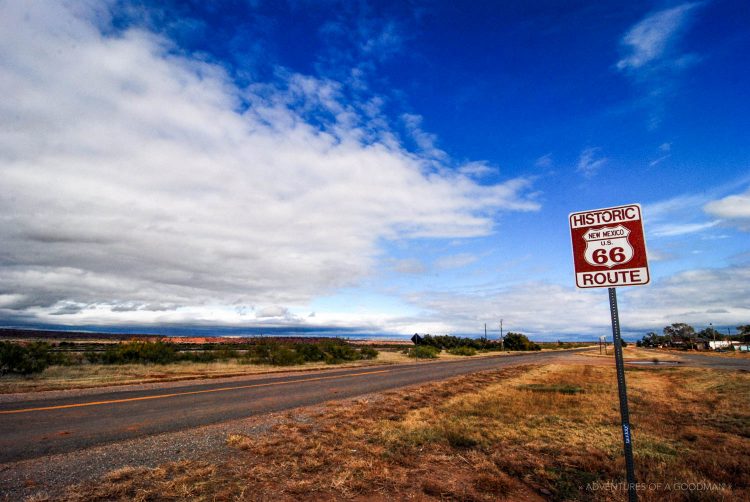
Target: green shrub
[
  {"x": 518, "y": 341},
  {"x": 284, "y": 356},
  {"x": 202, "y": 356},
  {"x": 272, "y": 352},
  {"x": 338, "y": 352},
  {"x": 462, "y": 351},
  {"x": 311, "y": 352},
  {"x": 225, "y": 353},
  {"x": 424, "y": 352},
  {"x": 24, "y": 359},
  {"x": 275, "y": 354},
  {"x": 136, "y": 352}
]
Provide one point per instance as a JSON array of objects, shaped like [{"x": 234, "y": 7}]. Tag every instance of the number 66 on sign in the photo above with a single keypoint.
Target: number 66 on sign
[{"x": 609, "y": 248}]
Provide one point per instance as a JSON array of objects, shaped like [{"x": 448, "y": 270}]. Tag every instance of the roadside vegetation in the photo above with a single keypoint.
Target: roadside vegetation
[
  {"x": 684, "y": 336},
  {"x": 25, "y": 359},
  {"x": 35, "y": 357},
  {"x": 39, "y": 366},
  {"x": 64, "y": 364},
  {"x": 511, "y": 341},
  {"x": 524, "y": 433}
]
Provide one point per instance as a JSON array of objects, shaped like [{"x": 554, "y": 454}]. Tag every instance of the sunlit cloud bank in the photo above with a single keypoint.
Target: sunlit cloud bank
[{"x": 141, "y": 184}]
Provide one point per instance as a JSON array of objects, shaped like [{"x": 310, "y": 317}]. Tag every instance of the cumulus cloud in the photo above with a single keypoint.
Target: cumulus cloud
[
  {"x": 136, "y": 176},
  {"x": 735, "y": 209}
]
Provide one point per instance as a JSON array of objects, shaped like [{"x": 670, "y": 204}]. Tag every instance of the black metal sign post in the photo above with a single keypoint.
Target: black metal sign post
[
  {"x": 609, "y": 250},
  {"x": 624, "y": 412}
]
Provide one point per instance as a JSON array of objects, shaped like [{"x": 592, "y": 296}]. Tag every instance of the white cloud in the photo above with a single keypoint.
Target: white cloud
[
  {"x": 134, "y": 176},
  {"x": 477, "y": 169},
  {"x": 658, "y": 161},
  {"x": 733, "y": 208},
  {"x": 675, "y": 229},
  {"x": 679, "y": 215},
  {"x": 650, "y": 39},
  {"x": 455, "y": 261},
  {"x": 590, "y": 161},
  {"x": 533, "y": 308},
  {"x": 652, "y": 58},
  {"x": 545, "y": 161},
  {"x": 408, "y": 266},
  {"x": 547, "y": 310},
  {"x": 695, "y": 296},
  {"x": 272, "y": 311}
]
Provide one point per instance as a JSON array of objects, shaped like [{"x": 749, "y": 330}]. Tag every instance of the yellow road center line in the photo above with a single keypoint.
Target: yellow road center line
[{"x": 206, "y": 391}]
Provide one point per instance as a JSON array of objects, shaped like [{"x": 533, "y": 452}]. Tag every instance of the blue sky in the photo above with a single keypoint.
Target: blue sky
[{"x": 369, "y": 167}]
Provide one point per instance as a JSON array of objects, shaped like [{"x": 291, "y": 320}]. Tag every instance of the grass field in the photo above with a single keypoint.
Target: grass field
[
  {"x": 632, "y": 352},
  {"x": 524, "y": 433}
]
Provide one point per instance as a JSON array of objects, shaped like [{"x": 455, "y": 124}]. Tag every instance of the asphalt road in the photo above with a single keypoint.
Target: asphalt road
[
  {"x": 40, "y": 427},
  {"x": 30, "y": 429}
]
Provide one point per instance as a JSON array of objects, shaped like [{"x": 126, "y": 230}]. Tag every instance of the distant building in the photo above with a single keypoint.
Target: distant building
[{"x": 718, "y": 344}]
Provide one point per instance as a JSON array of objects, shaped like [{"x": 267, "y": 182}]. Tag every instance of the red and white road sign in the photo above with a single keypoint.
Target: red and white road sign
[{"x": 609, "y": 248}]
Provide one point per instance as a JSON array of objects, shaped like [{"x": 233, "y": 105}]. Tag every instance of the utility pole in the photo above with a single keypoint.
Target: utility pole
[
  {"x": 485, "y": 332},
  {"x": 711, "y": 326},
  {"x": 502, "y": 338}
]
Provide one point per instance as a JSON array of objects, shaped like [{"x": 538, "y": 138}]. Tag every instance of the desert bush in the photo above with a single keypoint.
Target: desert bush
[
  {"x": 136, "y": 352},
  {"x": 332, "y": 352},
  {"x": 226, "y": 353},
  {"x": 518, "y": 341},
  {"x": 24, "y": 359},
  {"x": 286, "y": 356},
  {"x": 276, "y": 354},
  {"x": 338, "y": 352},
  {"x": 201, "y": 356},
  {"x": 311, "y": 352},
  {"x": 424, "y": 352},
  {"x": 462, "y": 351}
]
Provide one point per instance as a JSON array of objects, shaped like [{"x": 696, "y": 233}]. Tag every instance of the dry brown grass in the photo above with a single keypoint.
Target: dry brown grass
[
  {"x": 632, "y": 352},
  {"x": 525, "y": 433}
]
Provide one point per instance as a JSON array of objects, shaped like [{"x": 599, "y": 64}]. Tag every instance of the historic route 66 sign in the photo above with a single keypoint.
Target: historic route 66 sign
[{"x": 609, "y": 248}]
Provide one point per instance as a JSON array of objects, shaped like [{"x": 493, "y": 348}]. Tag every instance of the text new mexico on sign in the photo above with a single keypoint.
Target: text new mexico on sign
[{"x": 609, "y": 248}]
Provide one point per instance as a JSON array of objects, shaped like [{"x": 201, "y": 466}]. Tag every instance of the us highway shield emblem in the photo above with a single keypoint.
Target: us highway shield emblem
[{"x": 608, "y": 246}]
